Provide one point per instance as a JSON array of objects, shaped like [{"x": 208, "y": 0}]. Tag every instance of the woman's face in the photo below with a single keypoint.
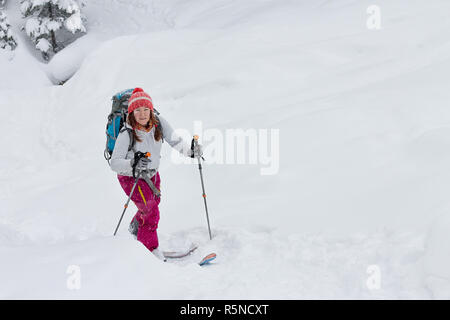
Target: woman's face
[{"x": 142, "y": 115}]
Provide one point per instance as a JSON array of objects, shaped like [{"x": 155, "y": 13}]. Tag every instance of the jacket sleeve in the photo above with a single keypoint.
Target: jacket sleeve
[
  {"x": 173, "y": 139},
  {"x": 119, "y": 163}
]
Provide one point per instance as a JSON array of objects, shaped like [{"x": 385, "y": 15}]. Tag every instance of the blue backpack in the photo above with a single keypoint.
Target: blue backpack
[{"x": 116, "y": 121}]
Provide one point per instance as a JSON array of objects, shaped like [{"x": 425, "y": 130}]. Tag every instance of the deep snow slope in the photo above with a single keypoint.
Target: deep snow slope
[{"x": 359, "y": 172}]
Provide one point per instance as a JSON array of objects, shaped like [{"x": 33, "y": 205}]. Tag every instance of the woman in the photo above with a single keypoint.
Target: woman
[{"x": 147, "y": 133}]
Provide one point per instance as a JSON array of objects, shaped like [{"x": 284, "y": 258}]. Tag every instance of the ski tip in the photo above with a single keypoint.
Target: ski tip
[{"x": 208, "y": 259}]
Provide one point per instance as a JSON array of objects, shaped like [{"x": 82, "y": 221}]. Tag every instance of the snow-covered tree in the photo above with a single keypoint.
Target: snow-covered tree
[
  {"x": 2, "y": 3},
  {"x": 7, "y": 40},
  {"x": 51, "y": 24}
]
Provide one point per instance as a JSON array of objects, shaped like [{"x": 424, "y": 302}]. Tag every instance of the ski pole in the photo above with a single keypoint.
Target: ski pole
[
  {"x": 195, "y": 143},
  {"x": 132, "y": 190}
]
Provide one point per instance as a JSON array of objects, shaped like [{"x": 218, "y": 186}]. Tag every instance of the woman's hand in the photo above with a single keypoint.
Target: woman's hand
[
  {"x": 197, "y": 152},
  {"x": 143, "y": 164},
  {"x": 140, "y": 162}
]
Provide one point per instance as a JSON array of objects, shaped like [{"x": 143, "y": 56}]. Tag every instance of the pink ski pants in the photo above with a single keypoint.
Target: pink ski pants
[{"x": 148, "y": 211}]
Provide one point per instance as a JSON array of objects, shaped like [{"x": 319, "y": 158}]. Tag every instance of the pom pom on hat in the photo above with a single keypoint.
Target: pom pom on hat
[{"x": 137, "y": 90}]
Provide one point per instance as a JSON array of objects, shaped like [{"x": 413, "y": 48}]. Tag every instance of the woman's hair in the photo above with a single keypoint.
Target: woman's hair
[{"x": 131, "y": 120}]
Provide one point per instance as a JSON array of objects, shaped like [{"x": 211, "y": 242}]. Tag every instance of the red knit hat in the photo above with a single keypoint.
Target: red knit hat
[{"x": 139, "y": 99}]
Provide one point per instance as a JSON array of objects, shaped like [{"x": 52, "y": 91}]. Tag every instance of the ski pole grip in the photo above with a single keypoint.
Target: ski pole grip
[
  {"x": 195, "y": 143},
  {"x": 138, "y": 156}
]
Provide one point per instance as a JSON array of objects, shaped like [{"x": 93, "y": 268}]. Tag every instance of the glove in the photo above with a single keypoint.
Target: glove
[
  {"x": 197, "y": 152},
  {"x": 140, "y": 162}
]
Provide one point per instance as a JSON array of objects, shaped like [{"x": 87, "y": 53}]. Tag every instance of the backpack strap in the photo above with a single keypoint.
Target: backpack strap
[{"x": 132, "y": 140}]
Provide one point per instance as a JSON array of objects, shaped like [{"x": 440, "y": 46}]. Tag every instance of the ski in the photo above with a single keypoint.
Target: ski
[
  {"x": 207, "y": 259},
  {"x": 179, "y": 254}
]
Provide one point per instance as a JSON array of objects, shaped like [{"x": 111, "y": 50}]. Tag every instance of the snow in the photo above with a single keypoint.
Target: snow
[
  {"x": 249, "y": 264},
  {"x": 355, "y": 210},
  {"x": 43, "y": 45},
  {"x": 74, "y": 23},
  {"x": 23, "y": 71},
  {"x": 437, "y": 257},
  {"x": 66, "y": 62},
  {"x": 32, "y": 26}
]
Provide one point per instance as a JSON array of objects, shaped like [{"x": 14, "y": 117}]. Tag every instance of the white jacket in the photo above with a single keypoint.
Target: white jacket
[{"x": 121, "y": 158}]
